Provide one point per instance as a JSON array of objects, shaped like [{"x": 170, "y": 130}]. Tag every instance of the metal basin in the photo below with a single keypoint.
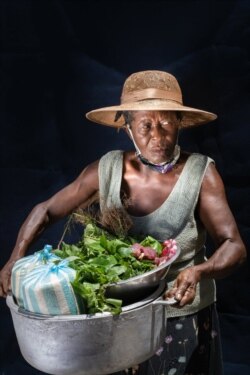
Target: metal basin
[
  {"x": 138, "y": 287},
  {"x": 95, "y": 344}
]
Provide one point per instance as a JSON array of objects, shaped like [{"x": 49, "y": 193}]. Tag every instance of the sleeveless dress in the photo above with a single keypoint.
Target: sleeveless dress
[{"x": 192, "y": 343}]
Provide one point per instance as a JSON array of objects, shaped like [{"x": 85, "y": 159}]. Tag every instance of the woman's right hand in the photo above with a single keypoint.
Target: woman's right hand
[{"x": 5, "y": 275}]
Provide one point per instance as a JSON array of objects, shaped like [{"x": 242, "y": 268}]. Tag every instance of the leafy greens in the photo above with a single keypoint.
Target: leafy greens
[{"x": 100, "y": 259}]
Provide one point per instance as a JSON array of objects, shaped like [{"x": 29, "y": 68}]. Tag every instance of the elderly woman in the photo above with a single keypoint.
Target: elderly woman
[{"x": 172, "y": 194}]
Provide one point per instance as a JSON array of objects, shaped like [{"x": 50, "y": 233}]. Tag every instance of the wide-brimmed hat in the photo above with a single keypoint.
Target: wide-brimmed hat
[{"x": 151, "y": 90}]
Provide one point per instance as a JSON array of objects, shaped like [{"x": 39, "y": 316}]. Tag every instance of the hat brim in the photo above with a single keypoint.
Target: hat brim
[{"x": 190, "y": 116}]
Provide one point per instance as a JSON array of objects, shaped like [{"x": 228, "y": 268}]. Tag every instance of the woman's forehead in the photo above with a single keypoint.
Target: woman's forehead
[{"x": 139, "y": 115}]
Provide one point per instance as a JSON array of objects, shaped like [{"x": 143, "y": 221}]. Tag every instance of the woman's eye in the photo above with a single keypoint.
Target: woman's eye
[
  {"x": 168, "y": 125},
  {"x": 146, "y": 126}
]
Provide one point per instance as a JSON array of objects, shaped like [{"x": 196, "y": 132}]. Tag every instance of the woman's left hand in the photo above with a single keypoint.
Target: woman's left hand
[{"x": 184, "y": 288}]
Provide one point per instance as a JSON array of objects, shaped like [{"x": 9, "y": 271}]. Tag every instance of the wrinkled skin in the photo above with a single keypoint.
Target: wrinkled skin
[{"x": 155, "y": 133}]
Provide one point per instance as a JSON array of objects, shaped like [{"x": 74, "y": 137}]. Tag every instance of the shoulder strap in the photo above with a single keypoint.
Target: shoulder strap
[
  {"x": 110, "y": 175},
  {"x": 169, "y": 220},
  {"x": 182, "y": 203}
]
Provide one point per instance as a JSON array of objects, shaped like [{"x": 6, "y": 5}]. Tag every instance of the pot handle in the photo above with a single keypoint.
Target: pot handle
[{"x": 168, "y": 301}]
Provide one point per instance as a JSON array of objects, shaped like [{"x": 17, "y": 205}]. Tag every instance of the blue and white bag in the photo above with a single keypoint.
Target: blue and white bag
[
  {"x": 47, "y": 289},
  {"x": 27, "y": 264}
]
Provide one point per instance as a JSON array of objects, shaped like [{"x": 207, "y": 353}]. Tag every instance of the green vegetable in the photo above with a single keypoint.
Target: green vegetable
[{"x": 100, "y": 259}]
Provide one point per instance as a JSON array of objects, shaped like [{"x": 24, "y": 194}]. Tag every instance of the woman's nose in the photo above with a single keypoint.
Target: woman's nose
[{"x": 156, "y": 132}]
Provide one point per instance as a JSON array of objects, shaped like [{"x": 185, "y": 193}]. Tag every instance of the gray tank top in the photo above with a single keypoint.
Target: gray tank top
[{"x": 175, "y": 218}]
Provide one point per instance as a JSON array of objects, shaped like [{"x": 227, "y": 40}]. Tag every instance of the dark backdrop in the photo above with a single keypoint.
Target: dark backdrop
[{"x": 60, "y": 59}]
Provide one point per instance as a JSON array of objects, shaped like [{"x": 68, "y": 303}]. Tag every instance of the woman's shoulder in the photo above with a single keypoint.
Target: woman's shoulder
[
  {"x": 111, "y": 156},
  {"x": 195, "y": 156}
]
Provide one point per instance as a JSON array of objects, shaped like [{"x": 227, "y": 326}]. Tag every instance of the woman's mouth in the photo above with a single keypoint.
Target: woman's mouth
[
  {"x": 158, "y": 150},
  {"x": 159, "y": 154}
]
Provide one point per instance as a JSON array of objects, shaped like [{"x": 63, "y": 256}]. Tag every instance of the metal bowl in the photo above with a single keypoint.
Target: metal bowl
[{"x": 138, "y": 287}]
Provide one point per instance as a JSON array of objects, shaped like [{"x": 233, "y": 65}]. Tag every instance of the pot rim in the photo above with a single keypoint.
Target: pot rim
[{"x": 30, "y": 315}]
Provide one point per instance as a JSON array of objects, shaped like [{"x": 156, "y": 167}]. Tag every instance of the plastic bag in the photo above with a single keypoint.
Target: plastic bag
[
  {"x": 47, "y": 289},
  {"x": 25, "y": 265}
]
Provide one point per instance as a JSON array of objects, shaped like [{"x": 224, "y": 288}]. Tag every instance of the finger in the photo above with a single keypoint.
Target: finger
[
  {"x": 170, "y": 293},
  {"x": 186, "y": 290},
  {"x": 177, "y": 293},
  {"x": 6, "y": 286},
  {"x": 183, "y": 288},
  {"x": 180, "y": 292},
  {"x": 2, "y": 293},
  {"x": 189, "y": 296}
]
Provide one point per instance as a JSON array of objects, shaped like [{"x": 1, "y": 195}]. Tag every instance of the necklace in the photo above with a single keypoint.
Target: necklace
[{"x": 162, "y": 167}]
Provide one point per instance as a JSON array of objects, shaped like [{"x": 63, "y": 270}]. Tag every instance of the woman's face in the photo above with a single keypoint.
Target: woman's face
[{"x": 155, "y": 133}]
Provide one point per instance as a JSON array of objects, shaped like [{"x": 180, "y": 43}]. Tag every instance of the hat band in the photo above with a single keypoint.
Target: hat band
[{"x": 151, "y": 93}]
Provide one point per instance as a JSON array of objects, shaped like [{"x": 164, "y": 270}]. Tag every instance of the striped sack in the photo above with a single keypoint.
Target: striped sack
[
  {"x": 47, "y": 289},
  {"x": 25, "y": 265}
]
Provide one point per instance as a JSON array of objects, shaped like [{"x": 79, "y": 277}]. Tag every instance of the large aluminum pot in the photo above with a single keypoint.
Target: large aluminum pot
[{"x": 91, "y": 344}]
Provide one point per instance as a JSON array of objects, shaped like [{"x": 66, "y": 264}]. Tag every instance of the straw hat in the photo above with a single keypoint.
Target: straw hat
[{"x": 151, "y": 90}]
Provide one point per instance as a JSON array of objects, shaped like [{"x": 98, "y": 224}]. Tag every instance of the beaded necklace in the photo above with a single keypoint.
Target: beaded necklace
[{"x": 165, "y": 167}]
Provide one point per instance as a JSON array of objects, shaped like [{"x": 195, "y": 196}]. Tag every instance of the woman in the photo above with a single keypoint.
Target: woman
[{"x": 172, "y": 194}]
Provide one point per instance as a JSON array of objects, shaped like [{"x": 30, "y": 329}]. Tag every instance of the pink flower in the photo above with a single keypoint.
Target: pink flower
[
  {"x": 159, "y": 351},
  {"x": 168, "y": 339}
]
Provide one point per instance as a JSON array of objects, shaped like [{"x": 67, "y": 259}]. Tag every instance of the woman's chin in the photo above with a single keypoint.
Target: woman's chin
[
  {"x": 157, "y": 161},
  {"x": 158, "y": 158}
]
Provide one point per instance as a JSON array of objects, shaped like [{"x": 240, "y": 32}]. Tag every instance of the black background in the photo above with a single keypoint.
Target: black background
[{"x": 60, "y": 59}]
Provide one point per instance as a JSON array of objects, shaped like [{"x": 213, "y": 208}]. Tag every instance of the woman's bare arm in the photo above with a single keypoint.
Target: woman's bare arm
[
  {"x": 75, "y": 195},
  {"x": 218, "y": 219}
]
